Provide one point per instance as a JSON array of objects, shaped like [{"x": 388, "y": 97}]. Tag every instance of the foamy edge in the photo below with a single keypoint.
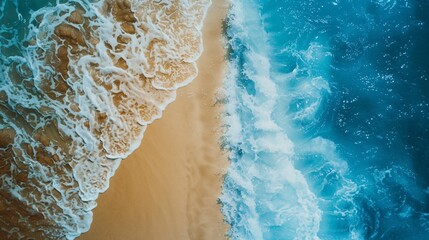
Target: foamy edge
[{"x": 75, "y": 217}]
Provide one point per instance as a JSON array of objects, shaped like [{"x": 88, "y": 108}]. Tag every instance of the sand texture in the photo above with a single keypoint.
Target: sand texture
[
  {"x": 77, "y": 97},
  {"x": 168, "y": 188}
]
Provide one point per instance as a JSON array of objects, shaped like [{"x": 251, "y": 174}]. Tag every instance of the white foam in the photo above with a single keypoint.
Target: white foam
[
  {"x": 262, "y": 190},
  {"x": 119, "y": 80}
]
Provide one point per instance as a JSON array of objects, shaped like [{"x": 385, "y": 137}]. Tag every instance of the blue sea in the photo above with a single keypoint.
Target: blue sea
[
  {"x": 327, "y": 119},
  {"x": 326, "y": 111}
]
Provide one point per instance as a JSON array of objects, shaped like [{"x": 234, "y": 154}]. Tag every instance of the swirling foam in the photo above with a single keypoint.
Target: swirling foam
[{"x": 76, "y": 99}]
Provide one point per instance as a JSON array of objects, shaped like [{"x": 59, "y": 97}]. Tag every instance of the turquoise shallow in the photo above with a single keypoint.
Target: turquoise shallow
[
  {"x": 80, "y": 80},
  {"x": 328, "y": 120},
  {"x": 326, "y": 115}
]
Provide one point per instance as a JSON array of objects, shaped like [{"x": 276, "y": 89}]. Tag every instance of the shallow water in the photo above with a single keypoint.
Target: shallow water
[
  {"x": 327, "y": 119},
  {"x": 80, "y": 81}
]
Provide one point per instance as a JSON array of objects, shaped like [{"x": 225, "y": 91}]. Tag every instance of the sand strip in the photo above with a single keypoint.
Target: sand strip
[{"x": 168, "y": 188}]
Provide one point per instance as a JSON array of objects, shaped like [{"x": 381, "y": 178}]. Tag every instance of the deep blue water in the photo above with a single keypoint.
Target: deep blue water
[
  {"x": 328, "y": 120},
  {"x": 327, "y": 116}
]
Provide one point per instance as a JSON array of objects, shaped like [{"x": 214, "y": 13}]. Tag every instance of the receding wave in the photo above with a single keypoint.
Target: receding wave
[{"x": 77, "y": 92}]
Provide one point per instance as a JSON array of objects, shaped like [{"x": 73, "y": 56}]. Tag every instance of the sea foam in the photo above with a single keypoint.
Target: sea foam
[
  {"x": 264, "y": 196},
  {"x": 327, "y": 120},
  {"x": 77, "y": 92}
]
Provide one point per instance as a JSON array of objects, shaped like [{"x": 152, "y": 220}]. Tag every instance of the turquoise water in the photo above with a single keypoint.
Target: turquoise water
[
  {"x": 328, "y": 120},
  {"x": 327, "y": 116},
  {"x": 80, "y": 80}
]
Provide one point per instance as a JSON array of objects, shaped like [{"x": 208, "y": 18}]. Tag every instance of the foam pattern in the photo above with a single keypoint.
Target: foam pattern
[{"x": 77, "y": 92}]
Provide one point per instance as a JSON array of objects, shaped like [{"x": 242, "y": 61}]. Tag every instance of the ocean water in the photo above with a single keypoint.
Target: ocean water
[
  {"x": 80, "y": 80},
  {"x": 327, "y": 119}
]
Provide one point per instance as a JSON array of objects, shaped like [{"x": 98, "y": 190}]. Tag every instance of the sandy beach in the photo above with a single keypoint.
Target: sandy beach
[{"x": 168, "y": 188}]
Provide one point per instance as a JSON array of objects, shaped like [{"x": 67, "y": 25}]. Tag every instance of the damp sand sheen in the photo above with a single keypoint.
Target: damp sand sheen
[{"x": 78, "y": 91}]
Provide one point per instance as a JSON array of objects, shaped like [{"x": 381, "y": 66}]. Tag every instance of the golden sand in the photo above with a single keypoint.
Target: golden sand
[{"x": 168, "y": 188}]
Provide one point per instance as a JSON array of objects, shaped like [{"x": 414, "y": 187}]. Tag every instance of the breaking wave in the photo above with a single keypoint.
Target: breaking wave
[{"x": 327, "y": 120}]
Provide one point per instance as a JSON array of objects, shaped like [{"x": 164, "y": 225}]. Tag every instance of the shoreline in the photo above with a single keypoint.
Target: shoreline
[{"x": 168, "y": 188}]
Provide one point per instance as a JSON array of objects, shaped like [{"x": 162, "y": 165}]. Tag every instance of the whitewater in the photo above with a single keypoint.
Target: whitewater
[
  {"x": 326, "y": 118},
  {"x": 80, "y": 81},
  {"x": 326, "y": 111}
]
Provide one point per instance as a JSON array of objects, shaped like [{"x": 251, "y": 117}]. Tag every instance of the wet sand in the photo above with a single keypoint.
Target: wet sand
[{"x": 168, "y": 188}]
